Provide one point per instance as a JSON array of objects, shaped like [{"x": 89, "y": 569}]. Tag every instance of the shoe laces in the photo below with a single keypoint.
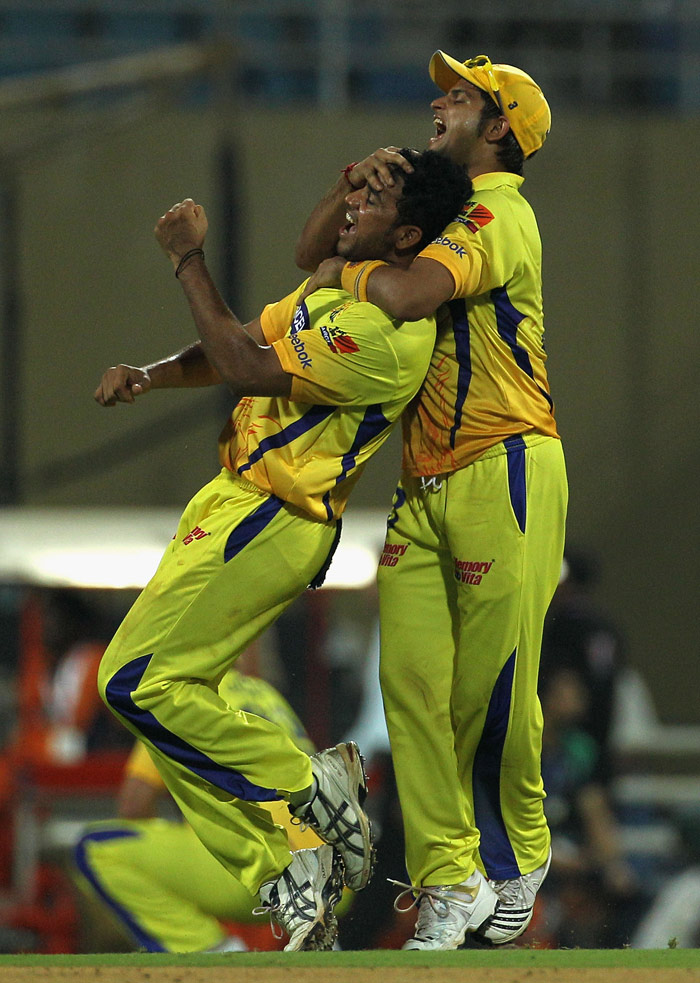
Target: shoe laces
[
  {"x": 419, "y": 892},
  {"x": 508, "y": 890},
  {"x": 271, "y": 910}
]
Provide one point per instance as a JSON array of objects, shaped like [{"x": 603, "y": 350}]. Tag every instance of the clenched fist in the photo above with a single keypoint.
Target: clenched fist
[
  {"x": 182, "y": 228},
  {"x": 122, "y": 384}
]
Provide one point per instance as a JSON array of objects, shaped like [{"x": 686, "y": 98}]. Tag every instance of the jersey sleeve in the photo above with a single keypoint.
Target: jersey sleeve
[
  {"x": 471, "y": 248},
  {"x": 276, "y": 319},
  {"x": 346, "y": 359}
]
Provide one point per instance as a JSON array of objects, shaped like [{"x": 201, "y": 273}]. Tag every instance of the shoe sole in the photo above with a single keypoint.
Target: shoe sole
[
  {"x": 354, "y": 788},
  {"x": 355, "y": 765}
]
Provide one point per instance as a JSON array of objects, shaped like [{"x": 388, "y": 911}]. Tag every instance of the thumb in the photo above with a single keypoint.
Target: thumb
[{"x": 141, "y": 385}]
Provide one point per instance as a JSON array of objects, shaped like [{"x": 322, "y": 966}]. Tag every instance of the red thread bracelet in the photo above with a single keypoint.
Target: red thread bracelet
[{"x": 346, "y": 172}]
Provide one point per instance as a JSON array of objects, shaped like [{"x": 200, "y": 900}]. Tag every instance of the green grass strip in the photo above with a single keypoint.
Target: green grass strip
[{"x": 505, "y": 958}]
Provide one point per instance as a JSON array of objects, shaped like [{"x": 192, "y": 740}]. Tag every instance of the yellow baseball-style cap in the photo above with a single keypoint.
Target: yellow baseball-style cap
[{"x": 519, "y": 97}]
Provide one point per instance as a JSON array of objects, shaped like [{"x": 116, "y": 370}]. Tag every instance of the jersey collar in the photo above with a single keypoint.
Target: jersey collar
[{"x": 497, "y": 179}]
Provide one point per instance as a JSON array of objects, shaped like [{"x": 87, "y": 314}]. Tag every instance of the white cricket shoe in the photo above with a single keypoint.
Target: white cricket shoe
[
  {"x": 446, "y": 914},
  {"x": 516, "y": 901},
  {"x": 302, "y": 899},
  {"x": 335, "y": 812}
]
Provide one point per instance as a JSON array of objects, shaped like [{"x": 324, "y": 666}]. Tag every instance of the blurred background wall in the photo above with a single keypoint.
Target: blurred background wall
[
  {"x": 256, "y": 138},
  {"x": 113, "y": 110}
]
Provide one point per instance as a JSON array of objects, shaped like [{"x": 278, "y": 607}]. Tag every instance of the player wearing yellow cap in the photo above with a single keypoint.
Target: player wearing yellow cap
[
  {"x": 475, "y": 540},
  {"x": 319, "y": 386}
]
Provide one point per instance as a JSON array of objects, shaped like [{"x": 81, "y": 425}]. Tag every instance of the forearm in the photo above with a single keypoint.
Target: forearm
[
  {"x": 237, "y": 357},
  {"x": 188, "y": 368},
  {"x": 405, "y": 294},
  {"x": 320, "y": 234}
]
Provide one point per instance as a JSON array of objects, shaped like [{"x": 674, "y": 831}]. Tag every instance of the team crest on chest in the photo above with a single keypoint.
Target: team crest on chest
[{"x": 338, "y": 340}]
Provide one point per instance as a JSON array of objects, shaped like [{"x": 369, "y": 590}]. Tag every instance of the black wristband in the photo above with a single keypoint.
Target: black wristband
[{"x": 188, "y": 255}]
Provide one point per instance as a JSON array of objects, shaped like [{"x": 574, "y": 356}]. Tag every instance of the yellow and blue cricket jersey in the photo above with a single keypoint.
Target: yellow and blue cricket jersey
[
  {"x": 487, "y": 379},
  {"x": 354, "y": 369}
]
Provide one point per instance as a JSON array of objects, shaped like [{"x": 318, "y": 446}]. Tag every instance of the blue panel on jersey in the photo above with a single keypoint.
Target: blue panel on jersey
[
  {"x": 496, "y": 851},
  {"x": 460, "y": 325},
  {"x": 145, "y": 940},
  {"x": 305, "y": 423},
  {"x": 373, "y": 423},
  {"x": 119, "y": 696},
  {"x": 507, "y": 320},
  {"x": 515, "y": 447}
]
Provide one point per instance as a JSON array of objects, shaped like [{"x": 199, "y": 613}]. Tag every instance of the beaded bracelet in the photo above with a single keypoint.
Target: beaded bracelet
[{"x": 188, "y": 256}]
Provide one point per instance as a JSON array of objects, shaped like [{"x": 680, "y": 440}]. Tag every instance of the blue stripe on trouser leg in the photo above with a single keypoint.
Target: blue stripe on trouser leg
[
  {"x": 515, "y": 447},
  {"x": 119, "y": 692},
  {"x": 246, "y": 531},
  {"x": 495, "y": 848},
  {"x": 83, "y": 863}
]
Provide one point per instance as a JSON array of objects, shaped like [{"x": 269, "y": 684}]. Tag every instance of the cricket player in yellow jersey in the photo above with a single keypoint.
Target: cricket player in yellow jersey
[
  {"x": 319, "y": 385},
  {"x": 153, "y": 874},
  {"x": 475, "y": 540}
]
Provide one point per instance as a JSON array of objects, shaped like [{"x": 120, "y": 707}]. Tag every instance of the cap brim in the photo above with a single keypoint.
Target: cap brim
[{"x": 445, "y": 70}]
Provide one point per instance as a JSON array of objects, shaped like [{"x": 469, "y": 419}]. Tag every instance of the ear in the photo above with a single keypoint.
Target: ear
[
  {"x": 407, "y": 237},
  {"x": 496, "y": 129}
]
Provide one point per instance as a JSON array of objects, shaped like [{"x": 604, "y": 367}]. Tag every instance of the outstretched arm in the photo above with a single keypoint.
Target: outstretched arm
[
  {"x": 188, "y": 368},
  {"x": 320, "y": 234}
]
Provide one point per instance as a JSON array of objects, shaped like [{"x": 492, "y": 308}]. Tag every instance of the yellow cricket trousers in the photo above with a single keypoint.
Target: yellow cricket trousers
[
  {"x": 469, "y": 567},
  {"x": 238, "y": 559}
]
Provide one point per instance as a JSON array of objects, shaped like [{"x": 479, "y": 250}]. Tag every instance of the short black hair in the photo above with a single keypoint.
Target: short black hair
[
  {"x": 509, "y": 151},
  {"x": 433, "y": 194}
]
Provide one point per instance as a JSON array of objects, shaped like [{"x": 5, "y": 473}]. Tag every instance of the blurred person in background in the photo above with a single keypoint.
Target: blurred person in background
[
  {"x": 580, "y": 636},
  {"x": 592, "y": 898}
]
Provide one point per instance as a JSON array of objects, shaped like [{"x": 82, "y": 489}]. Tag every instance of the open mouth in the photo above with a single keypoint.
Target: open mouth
[
  {"x": 349, "y": 227},
  {"x": 440, "y": 129}
]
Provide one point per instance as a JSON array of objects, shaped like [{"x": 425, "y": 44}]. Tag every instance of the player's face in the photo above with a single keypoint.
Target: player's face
[
  {"x": 371, "y": 221},
  {"x": 456, "y": 115}
]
